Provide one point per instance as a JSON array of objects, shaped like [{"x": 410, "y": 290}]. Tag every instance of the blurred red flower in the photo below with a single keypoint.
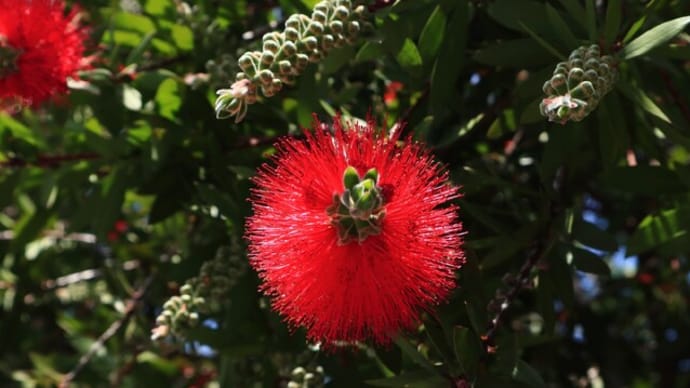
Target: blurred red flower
[
  {"x": 350, "y": 234},
  {"x": 40, "y": 47},
  {"x": 391, "y": 94}
]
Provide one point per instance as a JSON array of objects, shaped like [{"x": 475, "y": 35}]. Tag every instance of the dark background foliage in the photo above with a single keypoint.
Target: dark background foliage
[{"x": 577, "y": 238}]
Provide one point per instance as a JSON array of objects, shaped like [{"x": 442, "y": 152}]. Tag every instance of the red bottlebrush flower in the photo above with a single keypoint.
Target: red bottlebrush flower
[
  {"x": 350, "y": 235},
  {"x": 40, "y": 47}
]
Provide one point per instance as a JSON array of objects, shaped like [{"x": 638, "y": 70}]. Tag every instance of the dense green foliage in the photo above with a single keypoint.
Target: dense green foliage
[{"x": 113, "y": 197}]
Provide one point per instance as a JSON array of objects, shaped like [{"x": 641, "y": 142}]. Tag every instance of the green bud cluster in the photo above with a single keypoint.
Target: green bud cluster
[
  {"x": 358, "y": 212},
  {"x": 285, "y": 54},
  {"x": 206, "y": 293},
  {"x": 307, "y": 377},
  {"x": 578, "y": 84}
]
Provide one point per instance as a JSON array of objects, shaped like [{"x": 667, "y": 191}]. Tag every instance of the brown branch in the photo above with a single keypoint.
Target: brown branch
[
  {"x": 541, "y": 247},
  {"x": 538, "y": 252},
  {"x": 109, "y": 333}
]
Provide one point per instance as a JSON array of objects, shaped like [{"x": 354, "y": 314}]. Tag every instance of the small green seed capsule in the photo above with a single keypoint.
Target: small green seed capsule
[{"x": 548, "y": 89}]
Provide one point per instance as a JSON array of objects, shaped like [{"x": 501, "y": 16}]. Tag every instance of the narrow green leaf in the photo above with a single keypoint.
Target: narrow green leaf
[
  {"x": 586, "y": 261},
  {"x": 654, "y": 37},
  {"x": 524, "y": 373},
  {"x": 546, "y": 45},
  {"x": 658, "y": 229},
  {"x": 613, "y": 136},
  {"x": 565, "y": 34},
  {"x": 369, "y": 51},
  {"x": 643, "y": 180},
  {"x": 514, "y": 53},
  {"x": 409, "y": 57},
  {"x": 590, "y": 235},
  {"x": 468, "y": 350},
  {"x": 591, "y": 23},
  {"x": 136, "y": 54},
  {"x": 639, "y": 97},
  {"x": 410, "y": 351},
  {"x": 514, "y": 14},
  {"x": 448, "y": 67},
  {"x": 431, "y": 38},
  {"x": 634, "y": 28},
  {"x": 575, "y": 9},
  {"x": 416, "y": 379},
  {"x": 614, "y": 15}
]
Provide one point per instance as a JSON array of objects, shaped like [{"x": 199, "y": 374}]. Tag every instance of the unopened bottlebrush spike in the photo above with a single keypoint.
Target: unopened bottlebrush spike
[
  {"x": 578, "y": 84},
  {"x": 285, "y": 54}
]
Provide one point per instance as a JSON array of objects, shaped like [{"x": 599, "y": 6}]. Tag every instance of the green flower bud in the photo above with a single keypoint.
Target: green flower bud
[
  {"x": 575, "y": 76},
  {"x": 310, "y": 42},
  {"x": 316, "y": 27},
  {"x": 336, "y": 26},
  {"x": 327, "y": 42},
  {"x": 341, "y": 13},
  {"x": 291, "y": 34},
  {"x": 301, "y": 62},
  {"x": 319, "y": 16},
  {"x": 267, "y": 58},
  {"x": 265, "y": 76},
  {"x": 285, "y": 67},
  {"x": 246, "y": 63},
  {"x": 353, "y": 28},
  {"x": 271, "y": 46},
  {"x": 559, "y": 82},
  {"x": 289, "y": 48}
]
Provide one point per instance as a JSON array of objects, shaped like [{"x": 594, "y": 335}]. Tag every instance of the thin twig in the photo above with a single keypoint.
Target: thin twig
[
  {"x": 540, "y": 250},
  {"x": 109, "y": 333}
]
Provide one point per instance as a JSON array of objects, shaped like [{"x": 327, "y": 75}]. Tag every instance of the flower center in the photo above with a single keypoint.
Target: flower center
[
  {"x": 358, "y": 212},
  {"x": 8, "y": 58}
]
